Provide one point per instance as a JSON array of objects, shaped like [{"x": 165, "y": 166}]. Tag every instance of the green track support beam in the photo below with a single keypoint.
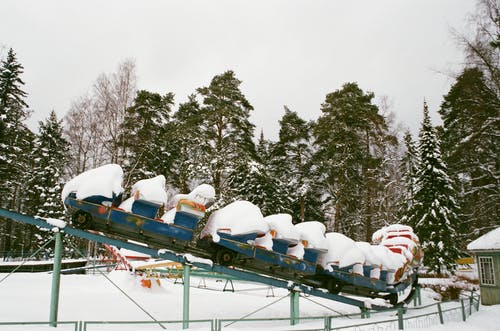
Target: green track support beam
[
  {"x": 56, "y": 278},
  {"x": 186, "y": 275},
  {"x": 294, "y": 307}
]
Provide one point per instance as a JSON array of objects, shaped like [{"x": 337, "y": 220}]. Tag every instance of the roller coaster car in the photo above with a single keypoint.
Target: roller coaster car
[
  {"x": 239, "y": 249},
  {"x": 365, "y": 280},
  {"x": 141, "y": 224},
  {"x": 344, "y": 279}
]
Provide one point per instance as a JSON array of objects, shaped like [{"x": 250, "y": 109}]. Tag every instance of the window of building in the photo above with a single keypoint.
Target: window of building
[{"x": 486, "y": 271}]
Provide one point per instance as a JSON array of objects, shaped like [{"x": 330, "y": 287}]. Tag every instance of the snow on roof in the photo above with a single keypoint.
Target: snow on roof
[
  {"x": 238, "y": 217},
  {"x": 104, "y": 181},
  {"x": 490, "y": 240}
]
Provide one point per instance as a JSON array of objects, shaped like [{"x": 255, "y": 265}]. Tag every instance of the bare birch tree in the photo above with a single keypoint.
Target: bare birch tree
[
  {"x": 93, "y": 125},
  {"x": 113, "y": 94}
]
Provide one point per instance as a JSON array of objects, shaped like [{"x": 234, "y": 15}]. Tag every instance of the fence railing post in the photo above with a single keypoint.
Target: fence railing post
[
  {"x": 328, "y": 323},
  {"x": 464, "y": 317},
  {"x": 401, "y": 324},
  {"x": 440, "y": 312},
  {"x": 417, "y": 297},
  {"x": 363, "y": 312},
  {"x": 471, "y": 302}
]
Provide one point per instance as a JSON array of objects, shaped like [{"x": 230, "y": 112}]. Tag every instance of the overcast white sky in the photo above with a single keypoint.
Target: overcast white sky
[{"x": 286, "y": 52}]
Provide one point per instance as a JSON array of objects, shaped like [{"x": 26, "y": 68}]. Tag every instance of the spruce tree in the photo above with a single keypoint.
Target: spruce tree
[
  {"x": 256, "y": 181},
  {"x": 45, "y": 179},
  {"x": 187, "y": 169},
  {"x": 14, "y": 136},
  {"x": 226, "y": 130},
  {"x": 15, "y": 145},
  {"x": 295, "y": 169},
  {"x": 409, "y": 167},
  {"x": 50, "y": 159},
  {"x": 433, "y": 214},
  {"x": 252, "y": 182}
]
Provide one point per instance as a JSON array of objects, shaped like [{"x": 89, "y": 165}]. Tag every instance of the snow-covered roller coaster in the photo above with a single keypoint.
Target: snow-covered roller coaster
[{"x": 239, "y": 235}]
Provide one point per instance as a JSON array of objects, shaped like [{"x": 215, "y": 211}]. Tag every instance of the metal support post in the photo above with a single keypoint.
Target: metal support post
[
  {"x": 417, "y": 298},
  {"x": 186, "y": 274},
  {"x": 328, "y": 323},
  {"x": 56, "y": 278},
  {"x": 230, "y": 282},
  {"x": 401, "y": 323},
  {"x": 464, "y": 317},
  {"x": 440, "y": 312},
  {"x": 365, "y": 313},
  {"x": 471, "y": 302},
  {"x": 294, "y": 307},
  {"x": 419, "y": 295}
]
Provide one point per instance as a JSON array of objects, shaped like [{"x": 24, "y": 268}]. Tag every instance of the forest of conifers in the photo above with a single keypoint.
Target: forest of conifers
[{"x": 352, "y": 168}]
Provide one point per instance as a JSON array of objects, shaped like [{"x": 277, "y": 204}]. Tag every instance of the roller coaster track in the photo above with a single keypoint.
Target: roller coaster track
[{"x": 199, "y": 263}]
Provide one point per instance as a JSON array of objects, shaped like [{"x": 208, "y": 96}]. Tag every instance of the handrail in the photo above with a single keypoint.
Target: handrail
[
  {"x": 48, "y": 323},
  {"x": 469, "y": 301}
]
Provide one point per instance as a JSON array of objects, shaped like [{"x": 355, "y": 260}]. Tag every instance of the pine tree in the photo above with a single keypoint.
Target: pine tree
[
  {"x": 147, "y": 136},
  {"x": 433, "y": 214},
  {"x": 470, "y": 113},
  {"x": 349, "y": 129},
  {"x": 226, "y": 130}
]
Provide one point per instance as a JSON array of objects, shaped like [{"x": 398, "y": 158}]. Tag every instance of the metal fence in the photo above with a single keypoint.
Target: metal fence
[{"x": 402, "y": 318}]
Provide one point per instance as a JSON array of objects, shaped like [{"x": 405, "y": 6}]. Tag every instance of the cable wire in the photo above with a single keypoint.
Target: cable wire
[{"x": 19, "y": 266}]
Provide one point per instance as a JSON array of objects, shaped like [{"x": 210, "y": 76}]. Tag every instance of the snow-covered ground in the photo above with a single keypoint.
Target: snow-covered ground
[{"x": 26, "y": 297}]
